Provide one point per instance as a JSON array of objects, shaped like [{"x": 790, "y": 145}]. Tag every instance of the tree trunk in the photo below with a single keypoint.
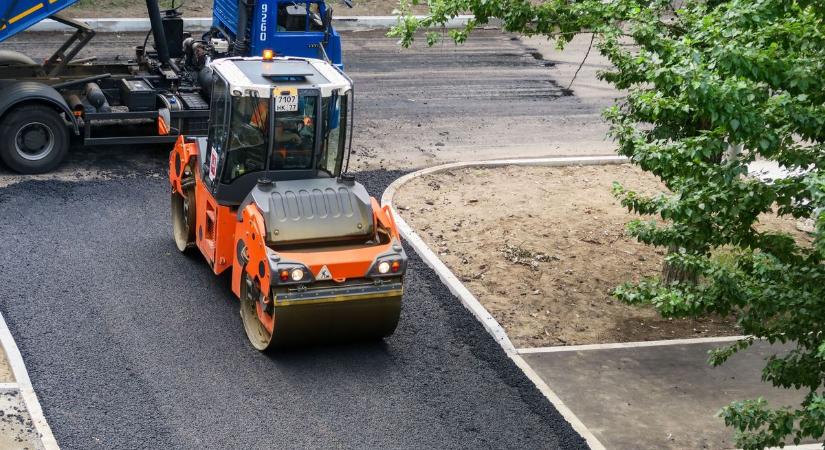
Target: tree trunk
[{"x": 672, "y": 273}]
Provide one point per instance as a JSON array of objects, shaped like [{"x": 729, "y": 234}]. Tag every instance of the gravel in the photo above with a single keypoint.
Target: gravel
[{"x": 131, "y": 345}]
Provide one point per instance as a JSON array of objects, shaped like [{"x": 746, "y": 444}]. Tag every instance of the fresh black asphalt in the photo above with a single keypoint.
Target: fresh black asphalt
[{"x": 130, "y": 344}]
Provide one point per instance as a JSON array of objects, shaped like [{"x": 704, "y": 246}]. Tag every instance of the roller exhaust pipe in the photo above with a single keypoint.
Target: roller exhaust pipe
[{"x": 241, "y": 44}]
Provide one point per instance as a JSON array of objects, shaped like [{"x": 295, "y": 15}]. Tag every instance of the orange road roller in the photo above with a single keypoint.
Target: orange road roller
[{"x": 267, "y": 196}]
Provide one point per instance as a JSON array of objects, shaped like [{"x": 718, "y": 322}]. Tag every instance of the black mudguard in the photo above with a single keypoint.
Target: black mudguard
[{"x": 13, "y": 93}]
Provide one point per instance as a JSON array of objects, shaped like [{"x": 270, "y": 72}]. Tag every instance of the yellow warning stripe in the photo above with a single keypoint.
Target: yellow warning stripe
[{"x": 24, "y": 14}]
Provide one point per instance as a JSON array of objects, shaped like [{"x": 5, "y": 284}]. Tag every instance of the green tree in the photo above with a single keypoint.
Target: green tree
[{"x": 713, "y": 85}]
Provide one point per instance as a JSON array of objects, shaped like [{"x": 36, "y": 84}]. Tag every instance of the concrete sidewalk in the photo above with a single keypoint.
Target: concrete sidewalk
[
  {"x": 22, "y": 424},
  {"x": 662, "y": 396},
  {"x": 17, "y": 430}
]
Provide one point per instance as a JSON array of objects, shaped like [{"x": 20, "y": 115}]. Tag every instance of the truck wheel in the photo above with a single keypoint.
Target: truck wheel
[{"x": 33, "y": 139}]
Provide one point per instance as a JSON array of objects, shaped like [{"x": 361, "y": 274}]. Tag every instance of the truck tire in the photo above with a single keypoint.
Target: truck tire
[{"x": 33, "y": 139}]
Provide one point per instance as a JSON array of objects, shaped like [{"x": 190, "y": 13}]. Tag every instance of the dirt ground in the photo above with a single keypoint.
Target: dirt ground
[
  {"x": 543, "y": 255},
  {"x": 203, "y": 8},
  {"x": 6, "y": 375}
]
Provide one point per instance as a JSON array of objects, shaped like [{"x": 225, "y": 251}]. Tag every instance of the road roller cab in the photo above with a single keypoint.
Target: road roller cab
[{"x": 265, "y": 195}]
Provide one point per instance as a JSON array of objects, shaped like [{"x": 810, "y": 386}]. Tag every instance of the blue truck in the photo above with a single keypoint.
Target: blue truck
[
  {"x": 17, "y": 16},
  {"x": 160, "y": 94},
  {"x": 288, "y": 27}
]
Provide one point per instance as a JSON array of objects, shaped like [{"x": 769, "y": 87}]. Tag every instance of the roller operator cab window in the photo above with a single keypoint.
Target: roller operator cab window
[
  {"x": 295, "y": 136},
  {"x": 217, "y": 128},
  {"x": 335, "y": 113},
  {"x": 299, "y": 16},
  {"x": 248, "y": 137}
]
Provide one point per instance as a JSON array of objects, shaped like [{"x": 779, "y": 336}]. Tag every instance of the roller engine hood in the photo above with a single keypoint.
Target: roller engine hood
[{"x": 313, "y": 210}]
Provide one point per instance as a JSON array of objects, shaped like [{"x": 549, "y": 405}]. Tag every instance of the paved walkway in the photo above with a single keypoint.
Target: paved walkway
[
  {"x": 655, "y": 396},
  {"x": 16, "y": 428}
]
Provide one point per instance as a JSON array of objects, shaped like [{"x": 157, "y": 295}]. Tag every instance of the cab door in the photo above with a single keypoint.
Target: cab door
[{"x": 207, "y": 208}]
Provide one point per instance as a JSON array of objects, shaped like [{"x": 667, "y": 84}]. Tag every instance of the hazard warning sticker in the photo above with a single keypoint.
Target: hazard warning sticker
[
  {"x": 213, "y": 165},
  {"x": 323, "y": 274}
]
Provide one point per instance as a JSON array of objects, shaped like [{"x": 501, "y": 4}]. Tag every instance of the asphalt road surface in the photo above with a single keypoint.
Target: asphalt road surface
[
  {"x": 489, "y": 98},
  {"x": 130, "y": 344}
]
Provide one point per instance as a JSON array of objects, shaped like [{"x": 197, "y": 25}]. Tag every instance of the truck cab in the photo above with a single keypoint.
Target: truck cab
[{"x": 288, "y": 27}]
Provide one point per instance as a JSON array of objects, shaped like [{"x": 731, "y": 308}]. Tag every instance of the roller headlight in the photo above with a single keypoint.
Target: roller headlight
[
  {"x": 288, "y": 272},
  {"x": 388, "y": 266}
]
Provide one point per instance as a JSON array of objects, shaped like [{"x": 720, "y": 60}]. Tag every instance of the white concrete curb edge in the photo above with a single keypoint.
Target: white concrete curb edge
[
  {"x": 137, "y": 24},
  {"x": 467, "y": 298},
  {"x": 620, "y": 345},
  {"x": 18, "y": 368},
  {"x": 800, "y": 447}
]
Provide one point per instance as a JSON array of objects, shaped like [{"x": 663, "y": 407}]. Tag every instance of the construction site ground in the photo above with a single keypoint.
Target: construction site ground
[
  {"x": 542, "y": 248},
  {"x": 16, "y": 428},
  {"x": 495, "y": 96},
  {"x": 6, "y": 375},
  {"x": 555, "y": 247},
  {"x": 124, "y": 355}
]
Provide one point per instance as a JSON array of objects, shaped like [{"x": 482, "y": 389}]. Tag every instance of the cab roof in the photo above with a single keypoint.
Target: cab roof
[{"x": 261, "y": 75}]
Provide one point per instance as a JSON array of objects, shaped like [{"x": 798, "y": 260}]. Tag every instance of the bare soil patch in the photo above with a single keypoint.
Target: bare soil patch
[
  {"x": 542, "y": 248},
  {"x": 6, "y": 375},
  {"x": 203, "y": 8}
]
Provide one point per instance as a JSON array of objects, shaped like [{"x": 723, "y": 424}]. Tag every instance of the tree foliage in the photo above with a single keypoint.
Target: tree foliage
[{"x": 713, "y": 85}]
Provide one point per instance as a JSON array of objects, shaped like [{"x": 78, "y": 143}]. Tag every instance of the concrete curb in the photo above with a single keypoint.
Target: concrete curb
[
  {"x": 638, "y": 344},
  {"x": 467, "y": 298},
  {"x": 21, "y": 375},
  {"x": 130, "y": 24}
]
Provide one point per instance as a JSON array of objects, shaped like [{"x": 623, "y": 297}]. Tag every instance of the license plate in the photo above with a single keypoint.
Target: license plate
[{"x": 286, "y": 103}]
